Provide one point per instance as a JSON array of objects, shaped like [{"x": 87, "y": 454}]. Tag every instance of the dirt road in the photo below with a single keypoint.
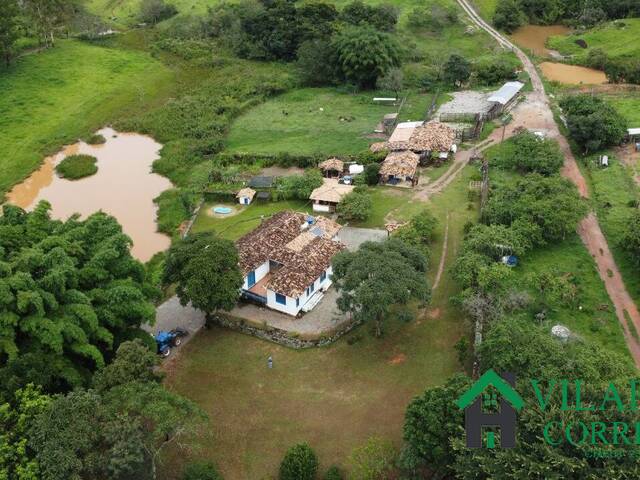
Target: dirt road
[{"x": 535, "y": 113}]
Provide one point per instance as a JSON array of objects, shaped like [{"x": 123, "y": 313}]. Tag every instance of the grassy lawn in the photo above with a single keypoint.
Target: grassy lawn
[
  {"x": 613, "y": 190},
  {"x": 310, "y": 120},
  {"x": 334, "y": 397},
  {"x": 628, "y": 105},
  {"x": 386, "y": 200},
  {"x": 486, "y": 8},
  {"x": 67, "y": 92},
  {"x": 614, "y": 40},
  {"x": 249, "y": 217}
]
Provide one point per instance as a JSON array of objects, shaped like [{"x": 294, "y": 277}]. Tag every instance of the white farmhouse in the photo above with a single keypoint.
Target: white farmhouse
[
  {"x": 286, "y": 261},
  {"x": 245, "y": 196},
  {"x": 327, "y": 197}
]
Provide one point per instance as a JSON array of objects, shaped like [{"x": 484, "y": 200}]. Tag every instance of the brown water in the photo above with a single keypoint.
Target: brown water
[
  {"x": 124, "y": 187},
  {"x": 572, "y": 74},
  {"x": 534, "y": 37}
]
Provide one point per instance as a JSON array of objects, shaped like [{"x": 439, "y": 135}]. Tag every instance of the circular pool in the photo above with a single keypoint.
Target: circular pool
[{"x": 222, "y": 210}]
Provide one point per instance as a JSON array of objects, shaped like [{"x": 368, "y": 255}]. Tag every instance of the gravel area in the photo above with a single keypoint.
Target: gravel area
[{"x": 466, "y": 102}]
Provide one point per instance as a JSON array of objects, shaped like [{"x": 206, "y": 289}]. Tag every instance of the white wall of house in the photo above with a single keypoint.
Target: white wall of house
[
  {"x": 319, "y": 207},
  {"x": 290, "y": 306},
  {"x": 261, "y": 271},
  {"x": 244, "y": 200}
]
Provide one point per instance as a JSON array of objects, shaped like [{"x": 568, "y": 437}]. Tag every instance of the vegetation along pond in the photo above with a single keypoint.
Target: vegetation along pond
[{"x": 124, "y": 187}]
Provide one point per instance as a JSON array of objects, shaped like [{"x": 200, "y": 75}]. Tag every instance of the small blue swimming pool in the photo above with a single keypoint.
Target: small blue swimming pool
[{"x": 222, "y": 210}]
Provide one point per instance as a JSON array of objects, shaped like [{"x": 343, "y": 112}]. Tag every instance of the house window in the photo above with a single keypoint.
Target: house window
[
  {"x": 312, "y": 288},
  {"x": 281, "y": 299},
  {"x": 298, "y": 302},
  {"x": 323, "y": 275}
]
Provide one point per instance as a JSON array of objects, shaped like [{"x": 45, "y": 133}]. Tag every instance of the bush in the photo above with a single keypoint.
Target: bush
[
  {"x": 434, "y": 17},
  {"x": 154, "y": 11},
  {"x": 495, "y": 69},
  {"x": 299, "y": 463},
  {"x": 333, "y": 473},
  {"x": 382, "y": 17},
  {"x": 201, "y": 471},
  {"x": 508, "y": 16},
  {"x": 96, "y": 139},
  {"x": 77, "y": 166},
  {"x": 298, "y": 186},
  {"x": 355, "y": 206},
  {"x": 371, "y": 174},
  {"x": 372, "y": 460},
  {"x": 530, "y": 154}
]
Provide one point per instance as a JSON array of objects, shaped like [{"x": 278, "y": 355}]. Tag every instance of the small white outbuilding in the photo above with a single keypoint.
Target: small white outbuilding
[{"x": 245, "y": 196}]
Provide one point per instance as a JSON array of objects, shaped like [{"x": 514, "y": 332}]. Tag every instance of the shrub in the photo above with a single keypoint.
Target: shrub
[
  {"x": 508, "y": 15},
  {"x": 355, "y": 206},
  {"x": 495, "y": 69},
  {"x": 154, "y": 11},
  {"x": 333, "y": 474},
  {"x": 96, "y": 139},
  {"x": 201, "y": 471},
  {"x": 371, "y": 173},
  {"x": 382, "y": 17},
  {"x": 530, "y": 154},
  {"x": 299, "y": 463},
  {"x": 77, "y": 166},
  {"x": 372, "y": 460}
]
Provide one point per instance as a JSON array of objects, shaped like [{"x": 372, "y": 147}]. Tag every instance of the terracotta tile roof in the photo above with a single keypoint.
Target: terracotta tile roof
[
  {"x": 246, "y": 192},
  {"x": 331, "y": 191},
  {"x": 432, "y": 137},
  {"x": 400, "y": 164},
  {"x": 332, "y": 164},
  {"x": 378, "y": 147},
  {"x": 304, "y": 253}
]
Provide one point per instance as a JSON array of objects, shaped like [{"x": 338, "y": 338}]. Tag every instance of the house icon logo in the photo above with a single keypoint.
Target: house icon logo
[{"x": 473, "y": 401}]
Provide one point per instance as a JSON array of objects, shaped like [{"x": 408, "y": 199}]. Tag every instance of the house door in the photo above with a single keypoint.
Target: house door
[
  {"x": 246, "y": 201},
  {"x": 251, "y": 281}
]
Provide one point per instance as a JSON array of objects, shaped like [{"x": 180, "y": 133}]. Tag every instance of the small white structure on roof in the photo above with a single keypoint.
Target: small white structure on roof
[
  {"x": 507, "y": 93},
  {"x": 245, "y": 196}
]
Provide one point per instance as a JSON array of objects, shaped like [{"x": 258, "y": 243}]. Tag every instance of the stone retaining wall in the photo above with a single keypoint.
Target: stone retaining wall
[{"x": 280, "y": 336}]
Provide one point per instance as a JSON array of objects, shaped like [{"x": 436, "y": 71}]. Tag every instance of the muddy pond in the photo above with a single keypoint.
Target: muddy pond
[
  {"x": 124, "y": 187},
  {"x": 534, "y": 38}
]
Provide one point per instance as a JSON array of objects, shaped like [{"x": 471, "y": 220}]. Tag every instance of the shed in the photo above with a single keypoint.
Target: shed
[
  {"x": 263, "y": 196},
  {"x": 326, "y": 197},
  {"x": 245, "y": 196},
  {"x": 332, "y": 167},
  {"x": 261, "y": 181},
  {"x": 506, "y": 94}
]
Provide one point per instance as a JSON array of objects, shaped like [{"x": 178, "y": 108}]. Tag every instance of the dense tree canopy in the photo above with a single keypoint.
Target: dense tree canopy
[
  {"x": 551, "y": 206},
  {"x": 9, "y": 29},
  {"x": 364, "y": 54},
  {"x": 205, "y": 269},
  {"x": 526, "y": 153},
  {"x": 457, "y": 70},
  {"x": 377, "y": 276},
  {"x": 630, "y": 240},
  {"x": 70, "y": 293},
  {"x": 593, "y": 123},
  {"x": 299, "y": 463}
]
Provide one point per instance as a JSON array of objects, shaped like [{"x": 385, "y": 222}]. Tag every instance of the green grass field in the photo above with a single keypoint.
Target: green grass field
[
  {"x": 486, "y": 8},
  {"x": 310, "y": 120},
  {"x": 249, "y": 217},
  {"x": 613, "y": 191},
  {"x": 334, "y": 397},
  {"x": 628, "y": 105},
  {"x": 67, "y": 92},
  {"x": 615, "y": 41}
]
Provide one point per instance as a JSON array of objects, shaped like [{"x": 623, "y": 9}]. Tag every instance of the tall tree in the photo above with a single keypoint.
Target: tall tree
[
  {"x": 457, "y": 70},
  {"x": 70, "y": 293},
  {"x": 47, "y": 16},
  {"x": 364, "y": 54},
  {"x": 9, "y": 29},
  {"x": 377, "y": 276},
  {"x": 205, "y": 269}
]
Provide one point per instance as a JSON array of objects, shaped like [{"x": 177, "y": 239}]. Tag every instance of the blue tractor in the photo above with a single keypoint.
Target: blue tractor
[{"x": 166, "y": 340}]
